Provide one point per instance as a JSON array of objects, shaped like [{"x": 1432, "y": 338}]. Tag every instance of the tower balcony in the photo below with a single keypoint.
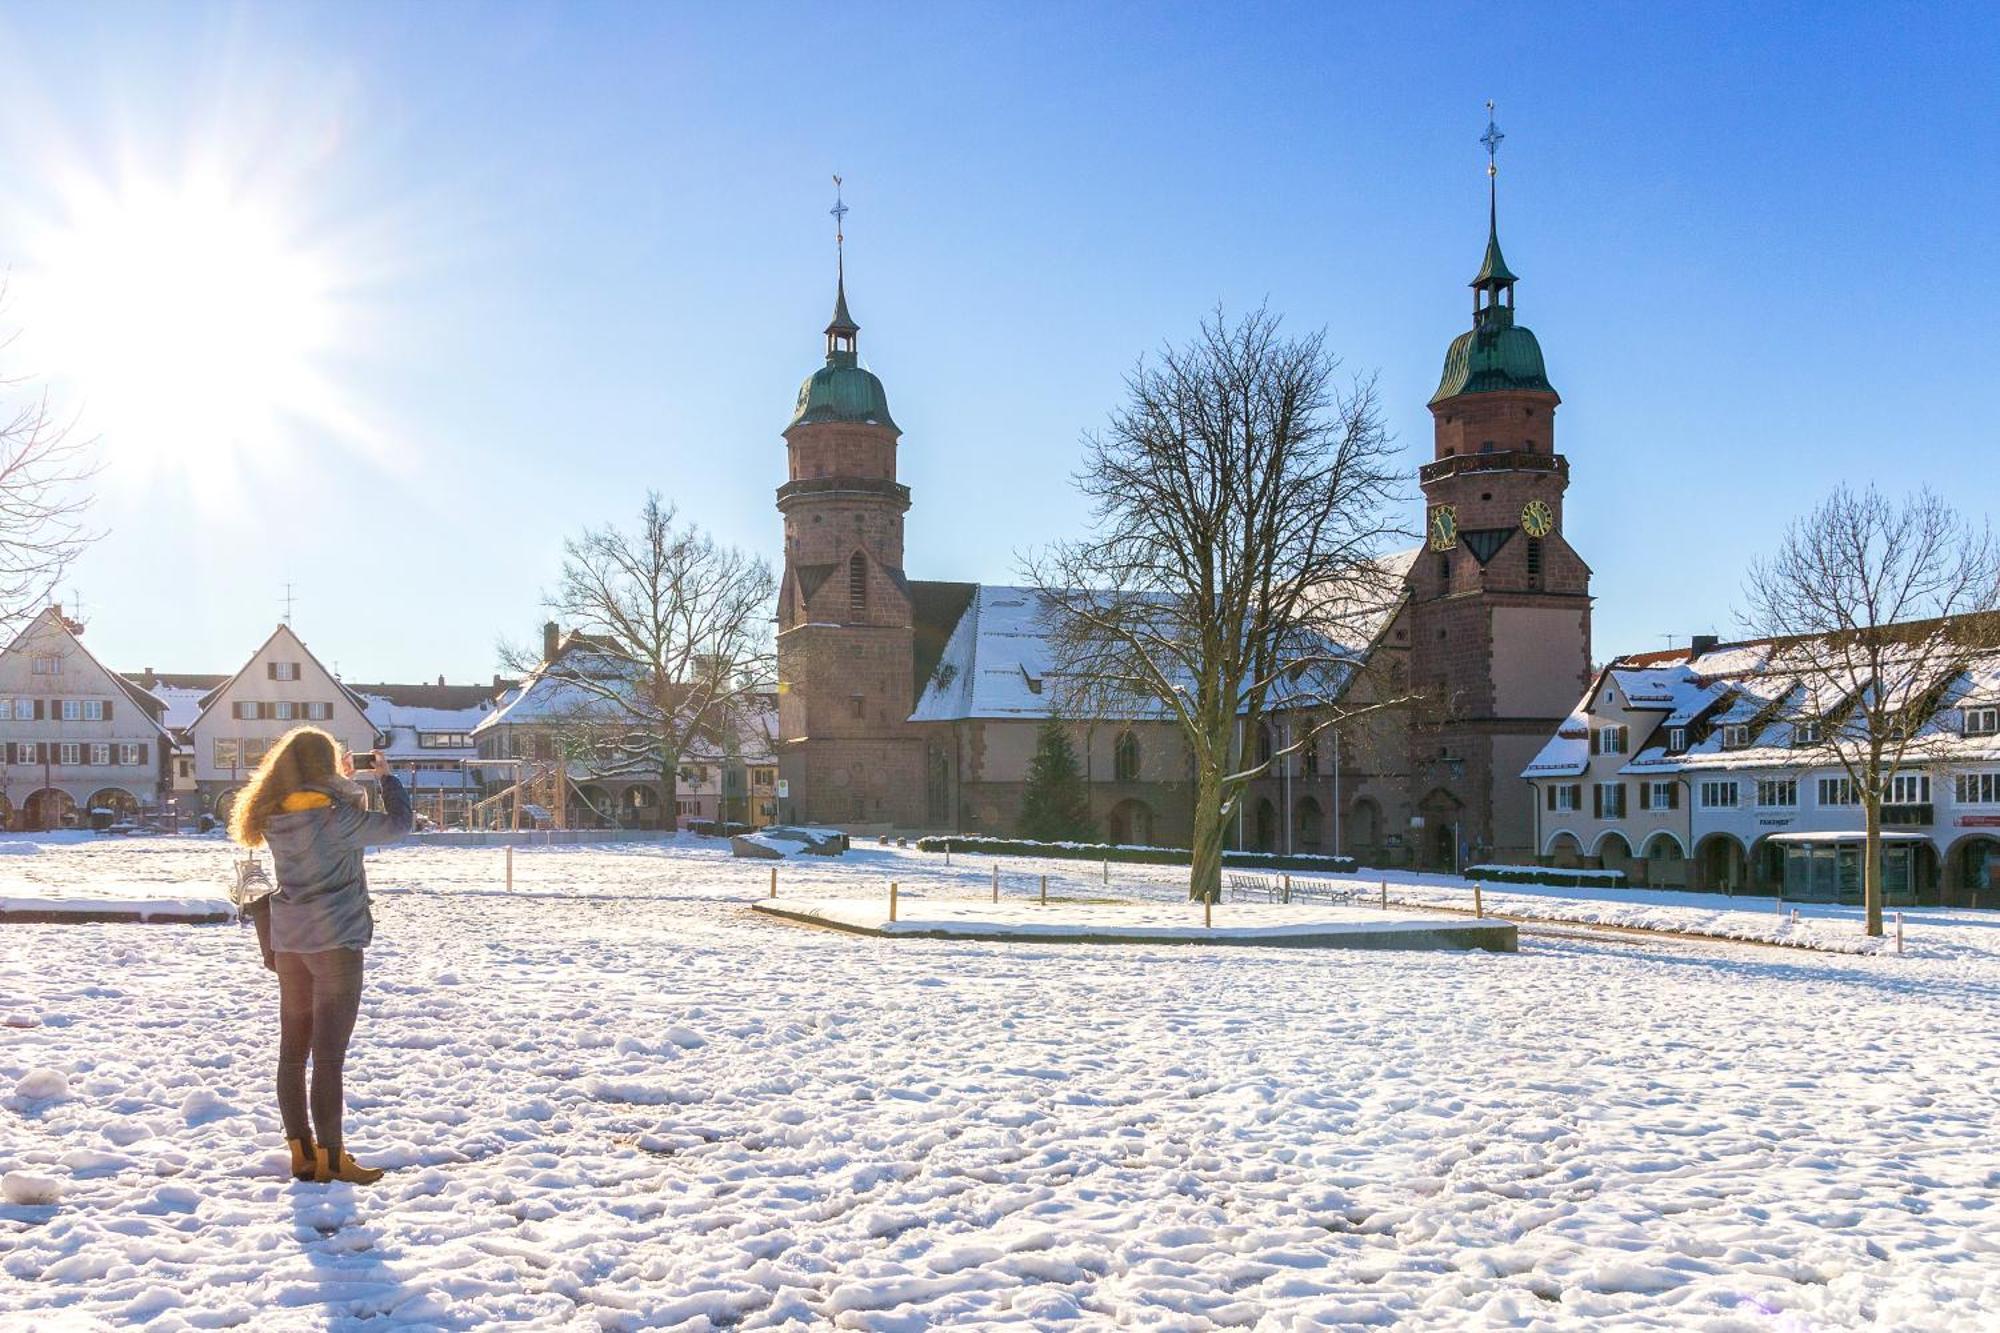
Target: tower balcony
[
  {"x": 822, "y": 488},
  {"x": 1498, "y": 460}
]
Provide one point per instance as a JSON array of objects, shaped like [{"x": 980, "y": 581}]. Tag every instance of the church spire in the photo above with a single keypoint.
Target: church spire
[
  {"x": 841, "y": 333},
  {"x": 1494, "y": 276}
]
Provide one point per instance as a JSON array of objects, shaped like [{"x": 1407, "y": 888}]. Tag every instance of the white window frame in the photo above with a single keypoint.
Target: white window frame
[
  {"x": 93, "y": 710},
  {"x": 284, "y": 671},
  {"x": 1677, "y": 739},
  {"x": 1806, "y": 732},
  {"x": 1614, "y": 794},
  {"x": 71, "y": 709},
  {"x": 1657, "y": 794},
  {"x": 128, "y": 754},
  {"x": 47, "y": 664},
  {"x": 1566, "y": 798},
  {"x": 227, "y": 752},
  {"x": 282, "y": 710},
  {"x": 1982, "y": 721},
  {"x": 1909, "y": 788},
  {"x": 1777, "y": 793},
  {"x": 1842, "y": 792},
  {"x": 1612, "y": 738},
  {"x": 100, "y": 754},
  {"x": 1714, "y": 788},
  {"x": 1736, "y": 736},
  {"x": 69, "y": 754}
]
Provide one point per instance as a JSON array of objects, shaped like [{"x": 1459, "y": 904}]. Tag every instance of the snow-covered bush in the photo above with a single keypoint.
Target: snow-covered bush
[
  {"x": 1101, "y": 851},
  {"x": 1548, "y": 876}
]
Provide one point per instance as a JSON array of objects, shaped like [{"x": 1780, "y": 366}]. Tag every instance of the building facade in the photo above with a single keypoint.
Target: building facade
[
  {"x": 1700, "y": 768},
  {"x": 910, "y": 704},
  {"x": 77, "y": 740},
  {"x": 282, "y": 686}
]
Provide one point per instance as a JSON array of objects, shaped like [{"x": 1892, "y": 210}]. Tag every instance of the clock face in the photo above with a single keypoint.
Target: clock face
[
  {"x": 1444, "y": 528},
  {"x": 1538, "y": 518}
]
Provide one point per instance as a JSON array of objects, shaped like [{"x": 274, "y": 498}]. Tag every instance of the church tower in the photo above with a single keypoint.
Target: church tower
[
  {"x": 846, "y": 644},
  {"x": 1500, "y": 603}
]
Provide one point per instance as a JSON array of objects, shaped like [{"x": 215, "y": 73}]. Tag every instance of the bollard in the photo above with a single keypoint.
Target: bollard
[
  {"x": 892, "y": 900},
  {"x": 510, "y": 867},
  {"x": 1385, "y": 895},
  {"x": 1478, "y": 904},
  {"x": 1107, "y": 870},
  {"x": 1045, "y": 890},
  {"x": 1899, "y": 932},
  {"x": 996, "y": 881},
  {"x": 947, "y": 855},
  {"x": 1795, "y": 916},
  {"x": 1780, "y": 900},
  {"x": 1207, "y": 911},
  {"x": 774, "y": 881},
  {"x": 1288, "y": 889}
]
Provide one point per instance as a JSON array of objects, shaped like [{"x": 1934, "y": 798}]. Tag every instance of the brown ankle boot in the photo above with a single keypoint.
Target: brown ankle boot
[
  {"x": 345, "y": 1168},
  {"x": 305, "y": 1162}
]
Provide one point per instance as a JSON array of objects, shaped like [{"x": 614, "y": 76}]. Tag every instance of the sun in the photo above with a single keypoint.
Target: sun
[{"x": 192, "y": 321}]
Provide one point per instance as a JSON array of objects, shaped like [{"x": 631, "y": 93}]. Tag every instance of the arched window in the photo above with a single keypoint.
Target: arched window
[
  {"x": 1125, "y": 757},
  {"x": 1263, "y": 744},
  {"x": 857, "y": 583}
]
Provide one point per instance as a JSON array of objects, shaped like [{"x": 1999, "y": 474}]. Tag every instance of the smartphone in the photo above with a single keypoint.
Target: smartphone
[{"x": 364, "y": 761}]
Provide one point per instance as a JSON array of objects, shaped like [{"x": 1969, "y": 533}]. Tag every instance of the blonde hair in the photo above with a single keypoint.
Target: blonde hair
[{"x": 303, "y": 757}]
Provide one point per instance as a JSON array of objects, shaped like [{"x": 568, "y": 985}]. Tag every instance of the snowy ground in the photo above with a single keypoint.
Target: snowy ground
[{"x": 616, "y": 1098}]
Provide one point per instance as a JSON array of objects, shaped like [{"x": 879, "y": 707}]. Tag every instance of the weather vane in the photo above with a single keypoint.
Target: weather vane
[
  {"x": 839, "y": 211},
  {"x": 1491, "y": 139}
]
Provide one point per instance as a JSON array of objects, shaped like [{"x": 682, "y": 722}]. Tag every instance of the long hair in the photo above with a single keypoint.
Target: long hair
[{"x": 303, "y": 757}]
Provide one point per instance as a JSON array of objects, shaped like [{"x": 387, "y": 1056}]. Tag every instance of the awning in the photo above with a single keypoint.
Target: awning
[{"x": 1854, "y": 836}]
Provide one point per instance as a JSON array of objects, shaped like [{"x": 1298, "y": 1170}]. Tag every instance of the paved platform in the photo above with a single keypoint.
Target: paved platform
[{"x": 1261, "y": 925}]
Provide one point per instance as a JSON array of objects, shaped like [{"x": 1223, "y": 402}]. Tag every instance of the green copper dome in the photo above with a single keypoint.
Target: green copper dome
[
  {"x": 841, "y": 390},
  {"x": 1494, "y": 356}
]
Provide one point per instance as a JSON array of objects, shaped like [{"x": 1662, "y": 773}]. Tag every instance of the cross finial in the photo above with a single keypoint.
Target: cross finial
[
  {"x": 1491, "y": 139},
  {"x": 289, "y": 599},
  {"x": 839, "y": 211}
]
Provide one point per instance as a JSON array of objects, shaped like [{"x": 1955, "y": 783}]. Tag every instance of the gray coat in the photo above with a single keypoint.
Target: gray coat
[{"x": 322, "y": 897}]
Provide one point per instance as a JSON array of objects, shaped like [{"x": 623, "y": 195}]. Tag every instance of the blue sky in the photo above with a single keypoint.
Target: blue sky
[{"x": 569, "y": 253}]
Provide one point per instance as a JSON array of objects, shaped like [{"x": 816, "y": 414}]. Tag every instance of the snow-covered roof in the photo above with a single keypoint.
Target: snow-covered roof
[
  {"x": 1766, "y": 687},
  {"x": 997, "y": 663},
  {"x": 180, "y": 704}
]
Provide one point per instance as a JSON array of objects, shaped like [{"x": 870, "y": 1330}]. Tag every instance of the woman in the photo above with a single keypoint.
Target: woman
[{"x": 304, "y": 804}]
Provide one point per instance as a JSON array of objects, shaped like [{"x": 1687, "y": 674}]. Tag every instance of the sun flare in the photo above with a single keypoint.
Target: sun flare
[{"x": 192, "y": 323}]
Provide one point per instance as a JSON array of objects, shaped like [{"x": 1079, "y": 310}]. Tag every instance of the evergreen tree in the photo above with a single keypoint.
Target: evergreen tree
[{"x": 1055, "y": 807}]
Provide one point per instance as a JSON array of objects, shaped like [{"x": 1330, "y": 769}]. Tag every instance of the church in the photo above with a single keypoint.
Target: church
[{"x": 913, "y": 705}]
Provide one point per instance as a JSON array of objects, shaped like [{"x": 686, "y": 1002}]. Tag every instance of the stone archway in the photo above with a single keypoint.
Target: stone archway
[
  {"x": 1615, "y": 853},
  {"x": 1720, "y": 864},
  {"x": 1131, "y": 824},
  {"x": 1363, "y": 834},
  {"x": 1307, "y": 825},
  {"x": 1564, "y": 851},
  {"x": 1972, "y": 872},
  {"x": 1439, "y": 837},
  {"x": 1665, "y": 861},
  {"x": 48, "y": 808},
  {"x": 121, "y": 803}
]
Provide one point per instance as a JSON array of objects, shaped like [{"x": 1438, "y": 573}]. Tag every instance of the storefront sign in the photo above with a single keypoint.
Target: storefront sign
[{"x": 1979, "y": 821}]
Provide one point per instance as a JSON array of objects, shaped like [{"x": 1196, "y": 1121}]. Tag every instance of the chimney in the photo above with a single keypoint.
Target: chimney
[
  {"x": 551, "y": 640},
  {"x": 440, "y": 681},
  {"x": 1702, "y": 643},
  {"x": 148, "y": 680}
]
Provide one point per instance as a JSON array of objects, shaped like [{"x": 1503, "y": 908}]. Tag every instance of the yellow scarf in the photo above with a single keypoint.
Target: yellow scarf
[{"x": 305, "y": 800}]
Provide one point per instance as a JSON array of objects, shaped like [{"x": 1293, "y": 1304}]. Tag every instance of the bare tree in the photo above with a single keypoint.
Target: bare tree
[
  {"x": 677, "y": 640},
  {"x": 44, "y": 469},
  {"x": 1879, "y": 607},
  {"x": 1233, "y": 568}
]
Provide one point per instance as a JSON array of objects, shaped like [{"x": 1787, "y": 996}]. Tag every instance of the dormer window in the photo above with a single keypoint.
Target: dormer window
[
  {"x": 1736, "y": 736},
  {"x": 1677, "y": 739},
  {"x": 1982, "y": 721},
  {"x": 1806, "y": 733}
]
